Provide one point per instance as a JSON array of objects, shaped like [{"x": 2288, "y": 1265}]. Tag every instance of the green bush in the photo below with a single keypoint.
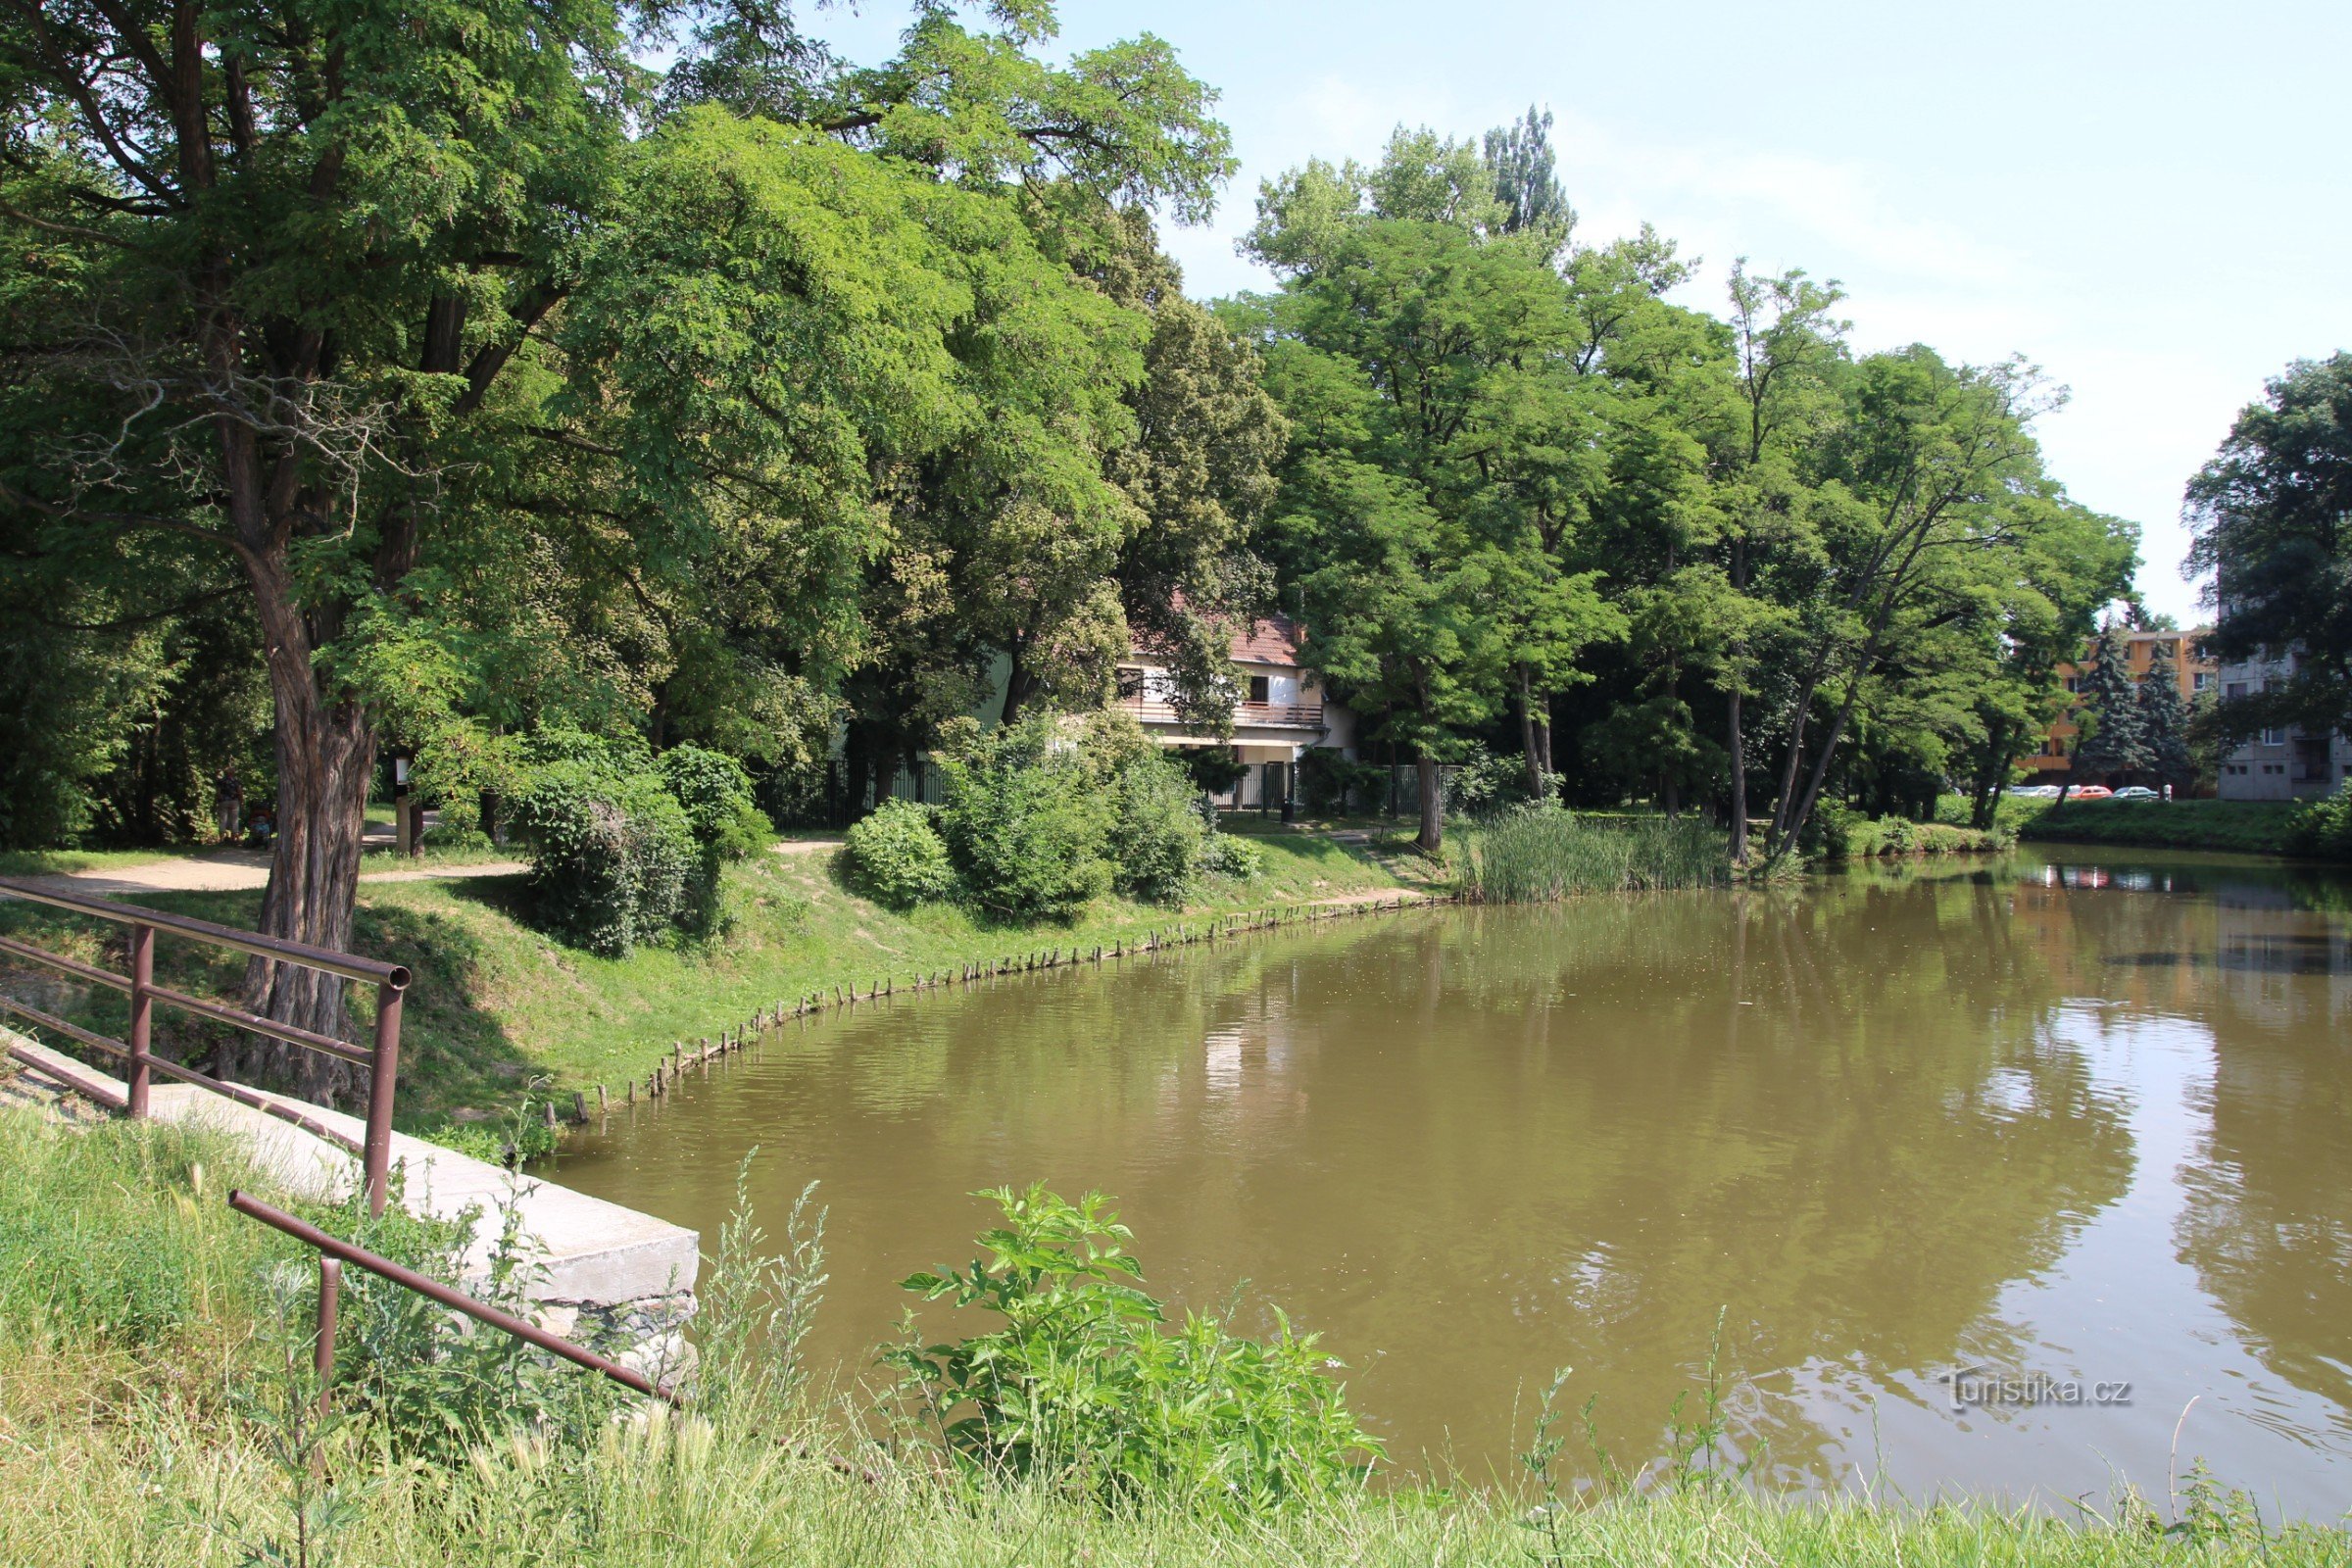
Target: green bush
[
  {"x": 897, "y": 857},
  {"x": 1223, "y": 854},
  {"x": 1158, "y": 833},
  {"x": 612, "y": 852},
  {"x": 1028, "y": 821},
  {"x": 717, "y": 796},
  {"x": 1083, "y": 1377},
  {"x": 2323, "y": 829}
]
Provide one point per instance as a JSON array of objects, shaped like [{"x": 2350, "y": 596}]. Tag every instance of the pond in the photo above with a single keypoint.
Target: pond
[{"x": 1935, "y": 1144}]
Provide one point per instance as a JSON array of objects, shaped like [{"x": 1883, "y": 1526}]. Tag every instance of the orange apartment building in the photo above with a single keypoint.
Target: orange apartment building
[{"x": 2195, "y": 672}]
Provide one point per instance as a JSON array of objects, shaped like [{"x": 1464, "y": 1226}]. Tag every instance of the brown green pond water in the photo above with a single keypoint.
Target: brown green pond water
[{"x": 2076, "y": 1117}]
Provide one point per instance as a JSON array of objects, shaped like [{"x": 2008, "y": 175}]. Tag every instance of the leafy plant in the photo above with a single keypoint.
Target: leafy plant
[
  {"x": 612, "y": 851},
  {"x": 2322, "y": 830},
  {"x": 1084, "y": 1379},
  {"x": 1028, "y": 822},
  {"x": 1158, "y": 833},
  {"x": 1224, "y": 855},
  {"x": 897, "y": 857}
]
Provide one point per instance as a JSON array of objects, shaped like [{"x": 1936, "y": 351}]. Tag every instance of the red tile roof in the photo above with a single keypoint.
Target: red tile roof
[{"x": 1274, "y": 640}]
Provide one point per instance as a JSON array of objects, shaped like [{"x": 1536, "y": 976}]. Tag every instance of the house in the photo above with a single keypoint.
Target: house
[
  {"x": 2278, "y": 764},
  {"x": 1280, "y": 715},
  {"x": 1282, "y": 712},
  {"x": 2192, "y": 668}
]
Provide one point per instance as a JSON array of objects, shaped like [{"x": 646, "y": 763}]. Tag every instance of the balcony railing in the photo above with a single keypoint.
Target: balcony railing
[{"x": 1273, "y": 715}]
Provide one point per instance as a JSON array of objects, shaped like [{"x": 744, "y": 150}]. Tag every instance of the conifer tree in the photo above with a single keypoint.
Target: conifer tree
[
  {"x": 2164, "y": 722},
  {"x": 2114, "y": 740}
]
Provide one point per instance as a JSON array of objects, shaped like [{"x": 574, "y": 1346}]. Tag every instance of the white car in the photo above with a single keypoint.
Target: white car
[{"x": 2136, "y": 792}]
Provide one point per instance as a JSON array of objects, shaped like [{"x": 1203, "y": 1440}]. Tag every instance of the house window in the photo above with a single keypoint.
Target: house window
[
  {"x": 1131, "y": 681},
  {"x": 2070, "y": 684},
  {"x": 1257, "y": 688},
  {"x": 2202, "y": 680},
  {"x": 2274, "y": 737},
  {"x": 2236, "y": 690}
]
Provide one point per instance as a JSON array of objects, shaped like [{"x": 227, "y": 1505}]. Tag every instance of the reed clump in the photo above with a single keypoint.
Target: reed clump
[{"x": 1533, "y": 856}]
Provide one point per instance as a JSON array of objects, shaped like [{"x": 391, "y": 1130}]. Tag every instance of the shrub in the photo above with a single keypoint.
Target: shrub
[
  {"x": 2322, "y": 830},
  {"x": 1158, "y": 834},
  {"x": 1027, "y": 821},
  {"x": 612, "y": 852},
  {"x": 1223, "y": 854},
  {"x": 1083, "y": 1377},
  {"x": 897, "y": 857},
  {"x": 1333, "y": 785},
  {"x": 717, "y": 796}
]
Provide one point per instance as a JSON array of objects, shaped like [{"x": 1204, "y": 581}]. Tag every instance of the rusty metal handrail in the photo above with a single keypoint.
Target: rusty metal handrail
[
  {"x": 381, "y": 1058},
  {"x": 457, "y": 1300}
]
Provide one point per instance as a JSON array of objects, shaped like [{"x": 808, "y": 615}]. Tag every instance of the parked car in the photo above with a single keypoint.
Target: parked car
[
  {"x": 2137, "y": 791},
  {"x": 2093, "y": 792}
]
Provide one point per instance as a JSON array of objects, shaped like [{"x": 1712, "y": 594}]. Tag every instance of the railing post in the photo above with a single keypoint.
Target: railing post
[
  {"x": 330, "y": 1301},
  {"x": 383, "y": 1073},
  {"x": 142, "y": 1017}
]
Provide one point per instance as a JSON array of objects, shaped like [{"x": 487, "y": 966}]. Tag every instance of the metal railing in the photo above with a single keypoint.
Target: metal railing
[
  {"x": 334, "y": 1251},
  {"x": 1279, "y": 715},
  {"x": 381, "y": 1059}
]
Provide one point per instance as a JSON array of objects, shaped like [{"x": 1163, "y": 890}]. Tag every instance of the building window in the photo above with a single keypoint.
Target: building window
[
  {"x": 2274, "y": 737},
  {"x": 2236, "y": 689},
  {"x": 2201, "y": 682},
  {"x": 1257, "y": 688}
]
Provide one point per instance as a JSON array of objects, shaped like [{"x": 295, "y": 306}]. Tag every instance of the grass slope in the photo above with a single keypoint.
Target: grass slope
[
  {"x": 496, "y": 1005},
  {"x": 2248, "y": 827},
  {"x": 148, "y": 1385}
]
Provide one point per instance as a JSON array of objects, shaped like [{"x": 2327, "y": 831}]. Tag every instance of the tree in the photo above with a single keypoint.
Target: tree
[
  {"x": 380, "y": 305},
  {"x": 2113, "y": 740},
  {"x": 2269, "y": 515},
  {"x": 2163, "y": 718},
  {"x": 1422, "y": 511},
  {"x": 1524, "y": 168}
]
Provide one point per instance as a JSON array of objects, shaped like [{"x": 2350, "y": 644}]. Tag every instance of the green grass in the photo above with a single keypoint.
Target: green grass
[
  {"x": 151, "y": 1394},
  {"x": 1531, "y": 857},
  {"x": 2248, "y": 827},
  {"x": 496, "y": 1005}
]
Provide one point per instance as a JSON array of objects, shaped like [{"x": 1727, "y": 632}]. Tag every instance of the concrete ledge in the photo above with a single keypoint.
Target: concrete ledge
[{"x": 593, "y": 1253}]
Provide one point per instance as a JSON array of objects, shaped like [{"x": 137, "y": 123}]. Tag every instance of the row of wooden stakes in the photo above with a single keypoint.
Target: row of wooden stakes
[{"x": 673, "y": 1064}]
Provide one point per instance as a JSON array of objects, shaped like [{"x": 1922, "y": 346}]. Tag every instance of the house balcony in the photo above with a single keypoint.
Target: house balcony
[{"x": 1246, "y": 715}]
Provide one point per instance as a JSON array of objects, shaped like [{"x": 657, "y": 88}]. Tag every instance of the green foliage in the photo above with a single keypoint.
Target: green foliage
[
  {"x": 897, "y": 857},
  {"x": 1028, "y": 822},
  {"x": 1158, "y": 834},
  {"x": 2246, "y": 827},
  {"x": 2114, "y": 739},
  {"x": 2322, "y": 830},
  {"x": 1236, "y": 858},
  {"x": 1540, "y": 852},
  {"x": 716, "y": 794},
  {"x": 1332, "y": 785},
  {"x": 1082, "y": 1377},
  {"x": 612, "y": 853},
  {"x": 2269, "y": 515}
]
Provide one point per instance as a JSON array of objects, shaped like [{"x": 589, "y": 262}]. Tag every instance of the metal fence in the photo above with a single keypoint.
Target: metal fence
[
  {"x": 381, "y": 1059},
  {"x": 334, "y": 1251}
]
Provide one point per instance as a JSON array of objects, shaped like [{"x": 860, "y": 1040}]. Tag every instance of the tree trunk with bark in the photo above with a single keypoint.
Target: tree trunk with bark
[{"x": 1432, "y": 837}]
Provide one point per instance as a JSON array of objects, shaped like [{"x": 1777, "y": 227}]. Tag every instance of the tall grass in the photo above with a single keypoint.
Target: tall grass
[
  {"x": 1532, "y": 856},
  {"x": 190, "y": 1459}
]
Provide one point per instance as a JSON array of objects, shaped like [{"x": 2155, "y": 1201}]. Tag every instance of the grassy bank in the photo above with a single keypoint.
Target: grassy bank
[
  {"x": 1894, "y": 838},
  {"x": 496, "y": 1005},
  {"x": 152, "y": 1350},
  {"x": 2246, "y": 827}
]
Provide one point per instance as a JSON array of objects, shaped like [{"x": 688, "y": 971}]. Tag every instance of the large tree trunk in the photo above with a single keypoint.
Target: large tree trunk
[
  {"x": 1432, "y": 837},
  {"x": 326, "y": 760},
  {"x": 1019, "y": 687}
]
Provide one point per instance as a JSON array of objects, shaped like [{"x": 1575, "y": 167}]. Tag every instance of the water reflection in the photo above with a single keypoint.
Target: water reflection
[{"x": 2040, "y": 1115}]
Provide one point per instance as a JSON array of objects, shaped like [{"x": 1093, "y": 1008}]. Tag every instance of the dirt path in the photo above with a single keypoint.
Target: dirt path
[{"x": 234, "y": 871}]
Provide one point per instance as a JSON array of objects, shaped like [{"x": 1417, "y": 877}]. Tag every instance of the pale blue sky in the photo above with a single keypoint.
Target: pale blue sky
[{"x": 2147, "y": 200}]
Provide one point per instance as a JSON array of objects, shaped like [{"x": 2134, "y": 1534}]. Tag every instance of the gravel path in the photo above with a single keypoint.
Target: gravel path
[{"x": 232, "y": 871}]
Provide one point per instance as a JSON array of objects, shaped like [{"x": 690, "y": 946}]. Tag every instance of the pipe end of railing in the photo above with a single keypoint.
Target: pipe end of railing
[{"x": 398, "y": 979}]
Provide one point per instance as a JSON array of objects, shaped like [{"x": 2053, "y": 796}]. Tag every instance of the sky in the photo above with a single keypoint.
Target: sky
[{"x": 2149, "y": 200}]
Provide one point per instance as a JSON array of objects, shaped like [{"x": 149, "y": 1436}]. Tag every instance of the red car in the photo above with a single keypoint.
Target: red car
[{"x": 2092, "y": 791}]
